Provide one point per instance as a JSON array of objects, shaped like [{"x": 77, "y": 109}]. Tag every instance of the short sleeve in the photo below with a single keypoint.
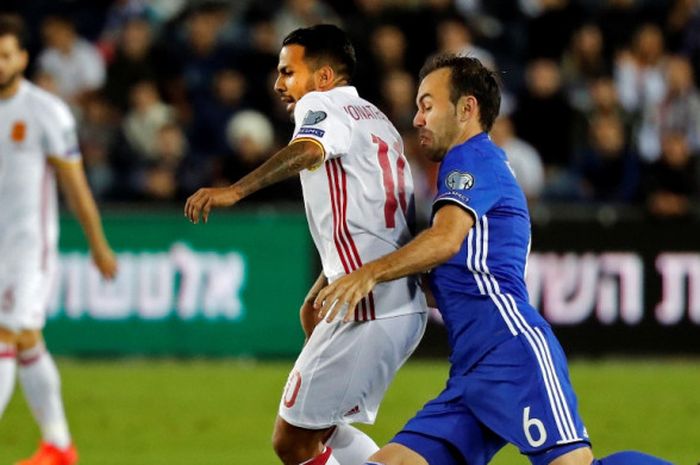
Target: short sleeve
[
  {"x": 318, "y": 120},
  {"x": 60, "y": 137},
  {"x": 468, "y": 180}
]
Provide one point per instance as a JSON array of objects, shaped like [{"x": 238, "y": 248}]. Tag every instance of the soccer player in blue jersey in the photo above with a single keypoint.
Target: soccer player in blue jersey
[{"x": 508, "y": 379}]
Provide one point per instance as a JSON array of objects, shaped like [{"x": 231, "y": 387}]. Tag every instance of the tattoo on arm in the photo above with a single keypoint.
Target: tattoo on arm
[{"x": 284, "y": 164}]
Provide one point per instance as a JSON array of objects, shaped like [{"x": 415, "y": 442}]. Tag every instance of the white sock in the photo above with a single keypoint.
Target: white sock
[
  {"x": 41, "y": 384},
  {"x": 326, "y": 458},
  {"x": 8, "y": 369},
  {"x": 351, "y": 446}
]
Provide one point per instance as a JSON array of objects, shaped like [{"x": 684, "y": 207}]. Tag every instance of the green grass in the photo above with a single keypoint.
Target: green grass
[{"x": 143, "y": 412}]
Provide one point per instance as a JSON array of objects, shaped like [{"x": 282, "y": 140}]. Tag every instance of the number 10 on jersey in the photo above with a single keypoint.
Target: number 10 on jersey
[{"x": 392, "y": 200}]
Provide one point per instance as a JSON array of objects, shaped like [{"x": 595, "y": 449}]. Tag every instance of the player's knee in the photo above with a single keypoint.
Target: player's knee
[
  {"x": 294, "y": 445},
  {"x": 285, "y": 443}
]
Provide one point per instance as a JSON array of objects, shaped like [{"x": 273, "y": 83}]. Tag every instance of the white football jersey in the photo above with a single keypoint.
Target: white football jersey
[
  {"x": 34, "y": 126},
  {"x": 359, "y": 202}
]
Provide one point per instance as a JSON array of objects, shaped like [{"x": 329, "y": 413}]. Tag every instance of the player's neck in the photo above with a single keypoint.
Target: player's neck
[
  {"x": 10, "y": 90},
  {"x": 465, "y": 134}
]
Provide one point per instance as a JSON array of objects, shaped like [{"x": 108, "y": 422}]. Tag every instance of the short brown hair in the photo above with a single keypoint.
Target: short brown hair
[
  {"x": 12, "y": 25},
  {"x": 469, "y": 77}
]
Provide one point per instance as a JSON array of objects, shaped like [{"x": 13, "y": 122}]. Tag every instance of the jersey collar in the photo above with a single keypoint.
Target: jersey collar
[{"x": 351, "y": 90}]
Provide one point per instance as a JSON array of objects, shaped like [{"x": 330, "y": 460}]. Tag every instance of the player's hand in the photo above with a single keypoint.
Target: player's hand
[
  {"x": 309, "y": 318},
  {"x": 202, "y": 201},
  {"x": 105, "y": 261},
  {"x": 345, "y": 292}
]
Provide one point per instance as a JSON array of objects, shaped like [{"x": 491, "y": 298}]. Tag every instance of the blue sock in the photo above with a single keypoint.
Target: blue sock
[{"x": 630, "y": 457}]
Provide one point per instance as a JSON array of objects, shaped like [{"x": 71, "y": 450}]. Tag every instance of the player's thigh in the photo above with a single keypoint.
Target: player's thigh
[
  {"x": 521, "y": 390},
  {"x": 344, "y": 370},
  {"x": 24, "y": 298},
  {"x": 446, "y": 432}
]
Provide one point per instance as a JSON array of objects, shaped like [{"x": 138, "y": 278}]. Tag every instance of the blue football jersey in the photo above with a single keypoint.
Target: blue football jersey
[{"x": 481, "y": 291}]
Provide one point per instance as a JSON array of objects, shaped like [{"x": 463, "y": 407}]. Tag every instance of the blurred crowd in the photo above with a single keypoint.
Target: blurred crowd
[{"x": 601, "y": 102}]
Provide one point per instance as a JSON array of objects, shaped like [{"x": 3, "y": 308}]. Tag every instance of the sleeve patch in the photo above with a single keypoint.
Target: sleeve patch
[
  {"x": 311, "y": 131},
  {"x": 457, "y": 180},
  {"x": 314, "y": 117}
]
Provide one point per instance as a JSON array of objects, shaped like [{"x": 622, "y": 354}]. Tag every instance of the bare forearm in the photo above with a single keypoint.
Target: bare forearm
[
  {"x": 89, "y": 217},
  {"x": 286, "y": 163},
  {"x": 429, "y": 249}
]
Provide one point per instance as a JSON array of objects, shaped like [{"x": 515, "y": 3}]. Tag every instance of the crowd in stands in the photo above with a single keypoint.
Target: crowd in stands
[{"x": 601, "y": 102}]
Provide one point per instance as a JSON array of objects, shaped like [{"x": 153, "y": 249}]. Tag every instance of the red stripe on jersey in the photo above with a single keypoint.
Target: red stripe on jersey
[
  {"x": 400, "y": 169},
  {"x": 362, "y": 306},
  {"x": 332, "y": 191},
  {"x": 8, "y": 354},
  {"x": 342, "y": 207},
  {"x": 344, "y": 215},
  {"x": 372, "y": 315}
]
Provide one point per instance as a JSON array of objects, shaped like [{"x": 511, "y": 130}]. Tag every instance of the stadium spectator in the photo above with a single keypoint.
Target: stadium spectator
[
  {"x": 678, "y": 111},
  {"x": 159, "y": 177},
  {"x": 672, "y": 183},
  {"x": 97, "y": 131},
  {"x": 604, "y": 101},
  {"x": 609, "y": 171},
  {"x": 583, "y": 62},
  {"x": 145, "y": 118},
  {"x": 208, "y": 128},
  {"x": 523, "y": 158},
  {"x": 302, "y": 13},
  {"x": 196, "y": 62},
  {"x": 74, "y": 64},
  {"x": 639, "y": 70},
  {"x": 398, "y": 88},
  {"x": 134, "y": 60},
  {"x": 550, "y": 27},
  {"x": 455, "y": 36},
  {"x": 543, "y": 115}
]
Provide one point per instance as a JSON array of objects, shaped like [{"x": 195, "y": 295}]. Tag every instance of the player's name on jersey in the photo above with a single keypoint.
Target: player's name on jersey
[
  {"x": 358, "y": 112},
  {"x": 180, "y": 283}
]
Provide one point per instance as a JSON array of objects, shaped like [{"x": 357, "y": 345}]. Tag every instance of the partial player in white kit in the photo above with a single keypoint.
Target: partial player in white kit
[
  {"x": 38, "y": 143},
  {"x": 358, "y": 196}
]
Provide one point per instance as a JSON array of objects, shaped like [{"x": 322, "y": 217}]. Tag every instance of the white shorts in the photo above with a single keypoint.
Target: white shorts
[
  {"x": 24, "y": 297},
  {"x": 344, "y": 370}
]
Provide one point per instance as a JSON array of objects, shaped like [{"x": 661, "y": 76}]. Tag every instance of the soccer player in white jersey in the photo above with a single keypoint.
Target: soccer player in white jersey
[
  {"x": 38, "y": 144},
  {"x": 358, "y": 195}
]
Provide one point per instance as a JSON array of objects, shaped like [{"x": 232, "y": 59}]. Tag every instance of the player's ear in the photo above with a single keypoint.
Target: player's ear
[
  {"x": 466, "y": 107},
  {"x": 324, "y": 77}
]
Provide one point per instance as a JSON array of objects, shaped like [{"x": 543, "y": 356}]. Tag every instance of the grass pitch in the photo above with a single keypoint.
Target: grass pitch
[{"x": 145, "y": 412}]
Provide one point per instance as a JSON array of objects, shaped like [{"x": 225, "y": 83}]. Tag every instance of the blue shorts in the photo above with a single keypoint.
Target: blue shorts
[{"x": 519, "y": 393}]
